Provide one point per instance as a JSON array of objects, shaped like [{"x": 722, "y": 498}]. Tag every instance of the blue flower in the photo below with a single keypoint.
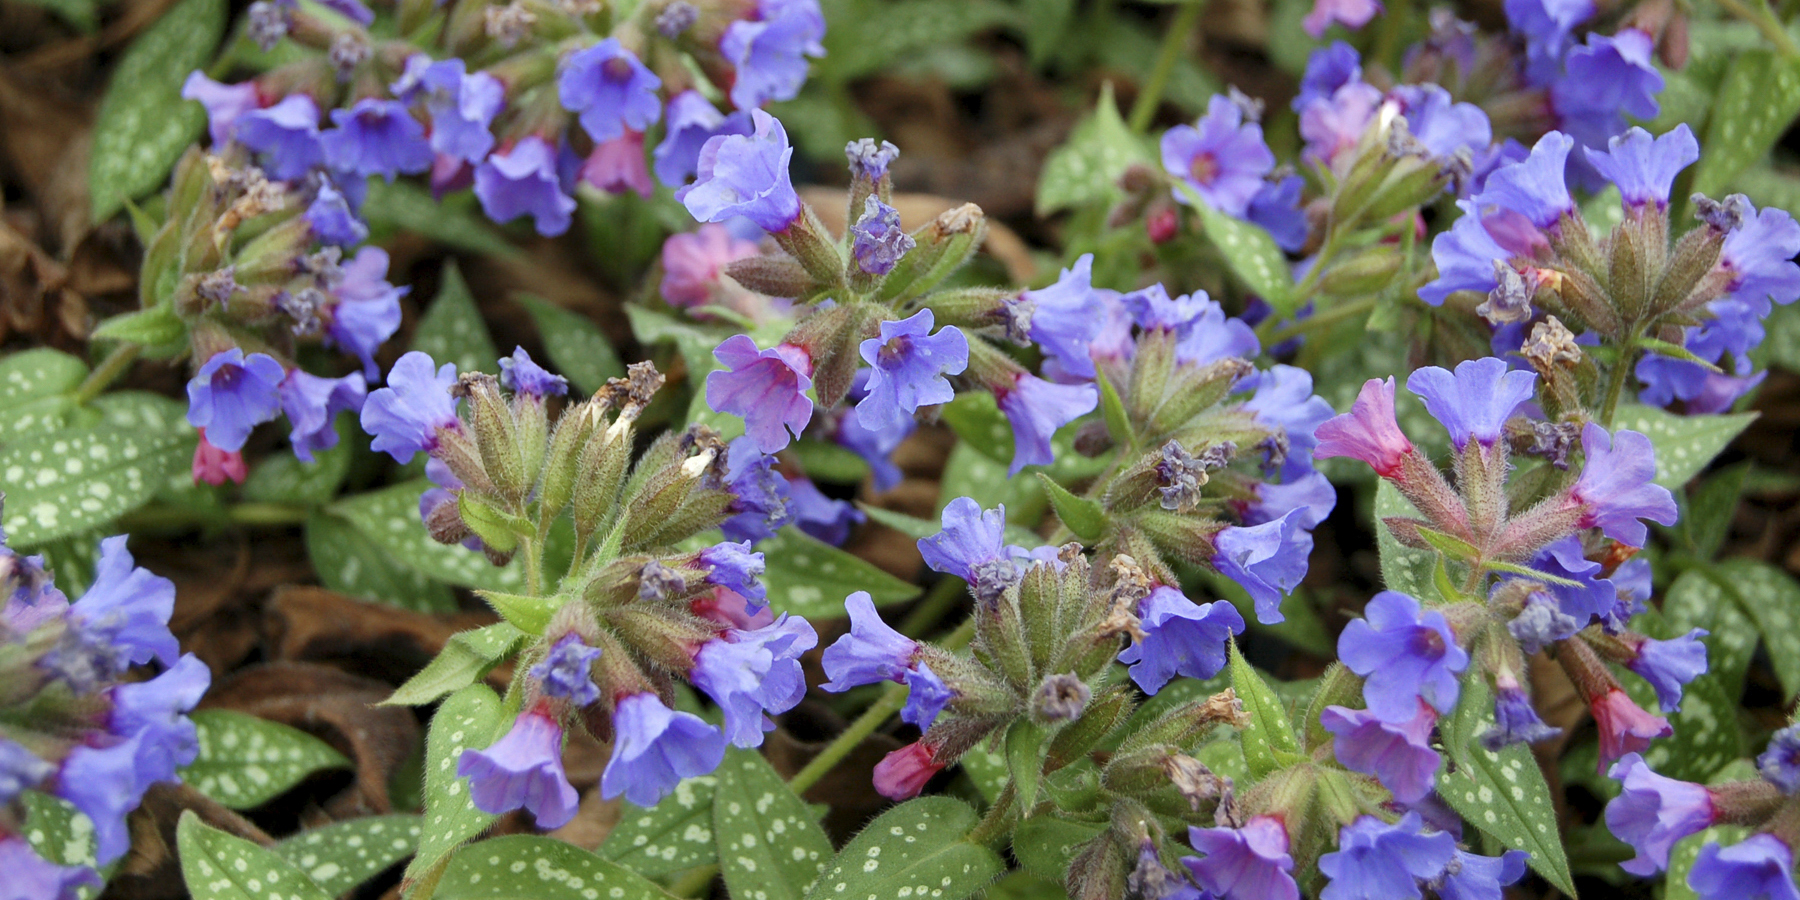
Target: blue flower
[
  {"x": 312, "y": 404},
  {"x": 105, "y": 783},
  {"x": 1779, "y": 763},
  {"x": 1037, "y": 408},
  {"x": 224, "y": 103},
  {"x": 1607, "y": 76},
  {"x": 1668, "y": 665},
  {"x": 1616, "y": 489},
  {"x": 1653, "y": 812},
  {"x": 875, "y": 445},
  {"x": 611, "y": 91},
  {"x": 1645, "y": 167},
  {"x": 566, "y": 671},
  {"x": 1761, "y": 866},
  {"x": 1533, "y": 188},
  {"x": 1221, "y": 156},
  {"x": 332, "y": 220},
  {"x": 1440, "y": 123},
  {"x": 153, "y": 712},
  {"x": 365, "y": 309},
  {"x": 30, "y": 877},
  {"x": 1515, "y": 720},
  {"x": 871, "y": 652},
  {"x": 1180, "y": 638},
  {"x": 376, "y": 137},
  {"x": 462, "y": 105},
  {"x": 1541, "y": 623},
  {"x": 1546, "y": 26},
  {"x": 20, "y": 769},
  {"x": 1312, "y": 495},
  {"x": 1248, "y": 863},
  {"x": 523, "y": 770},
  {"x": 131, "y": 605},
  {"x": 1405, "y": 655},
  {"x": 692, "y": 122},
  {"x": 734, "y": 566},
  {"x": 1063, "y": 318},
  {"x": 654, "y": 747},
  {"x": 1378, "y": 861},
  {"x": 870, "y": 160},
  {"x": 1276, "y": 207},
  {"x": 519, "y": 374},
  {"x": 1284, "y": 400},
  {"x": 524, "y": 181},
  {"x": 745, "y": 175},
  {"x": 908, "y": 364},
  {"x": 1398, "y": 754},
  {"x": 972, "y": 546},
  {"x": 1327, "y": 69},
  {"x": 407, "y": 416},
  {"x": 232, "y": 394},
  {"x": 770, "y": 51},
  {"x": 761, "y": 506},
  {"x": 750, "y": 673},
  {"x": 824, "y": 518},
  {"x": 766, "y": 388},
  {"x": 1267, "y": 560},
  {"x": 1476, "y": 400},
  {"x": 287, "y": 136},
  {"x": 1474, "y": 877},
  {"x": 1465, "y": 257},
  {"x": 927, "y": 696}
]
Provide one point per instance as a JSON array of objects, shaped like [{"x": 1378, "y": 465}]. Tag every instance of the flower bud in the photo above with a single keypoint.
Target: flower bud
[
  {"x": 498, "y": 530},
  {"x": 774, "y": 276},
  {"x": 600, "y": 472},
  {"x": 1365, "y": 272},
  {"x": 1101, "y": 715},
  {"x": 1060, "y": 699},
  {"x": 496, "y": 437},
  {"x": 811, "y": 245},
  {"x": 573, "y": 430},
  {"x": 943, "y": 246}
]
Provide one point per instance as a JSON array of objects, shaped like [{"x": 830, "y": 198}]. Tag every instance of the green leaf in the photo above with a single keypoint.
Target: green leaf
[
  {"x": 810, "y": 578},
  {"x": 977, "y": 419},
  {"x": 770, "y": 845},
  {"x": 1025, "y": 747},
  {"x": 695, "y": 345},
  {"x": 1754, "y": 105},
  {"x": 217, "y": 866},
  {"x": 917, "y": 846},
  {"x": 349, "y": 564},
  {"x": 1083, "y": 516},
  {"x": 672, "y": 836},
  {"x": 577, "y": 349},
  {"x": 157, "y": 328},
  {"x": 285, "y": 479},
  {"x": 245, "y": 761},
  {"x": 1403, "y": 569},
  {"x": 1248, "y": 250},
  {"x": 1086, "y": 169},
  {"x": 340, "y": 856},
  {"x": 828, "y": 461},
  {"x": 68, "y": 482},
  {"x": 1045, "y": 844},
  {"x": 1696, "y": 600},
  {"x": 61, "y": 834},
  {"x": 453, "y": 331},
  {"x": 1118, "y": 421},
  {"x": 888, "y": 33},
  {"x": 1706, "y": 515},
  {"x": 389, "y": 519},
  {"x": 403, "y": 205},
  {"x": 1503, "y": 794},
  {"x": 466, "y": 658},
  {"x": 527, "y": 867},
  {"x": 1269, "y": 731},
  {"x": 1772, "y": 598},
  {"x": 471, "y": 719},
  {"x": 526, "y": 613},
  {"x": 34, "y": 391},
  {"x": 1706, "y": 737},
  {"x": 987, "y": 768},
  {"x": 1684, "y": 444},
  {"x": 1046, "y": 23},
  {"x": 143, "y": 124}
]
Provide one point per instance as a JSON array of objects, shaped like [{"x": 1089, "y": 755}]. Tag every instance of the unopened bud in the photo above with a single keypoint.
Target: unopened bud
[
  {"x": 1367, "y": 272},
  {"x": 508, "y": 25},
  {"x": 774, "y": 276},
  {"x": 657, "y": 583},
  {"x": 1060, "y": 698},
  {"x": 495, "y": 435},
  {"x": 1193, "y": 779},
  {"x": 1723, "y": 216}
]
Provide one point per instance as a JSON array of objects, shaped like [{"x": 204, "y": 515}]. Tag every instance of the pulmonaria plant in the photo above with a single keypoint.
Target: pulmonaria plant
[
  {"x": 605, "y": 625},
  {"x": 73, "y": 724}
]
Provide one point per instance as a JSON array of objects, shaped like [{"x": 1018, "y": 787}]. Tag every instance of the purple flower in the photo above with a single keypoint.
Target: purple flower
[
  {"x": 872, "y": 652},
  {"x": 766, "y": 388},
  {"x": 1284, "y": 400},
  {"x": 1036, "y": 408},
  {"x": 232, "y": 394},
  {"x": 376, "y": 137},
  {"x": 1180, "y": 638},
  {"x": 824, "y": 518},
  {"x": 1652, "y": 812},
  {"x": 1476, "y": 400},
  {"x": 524, "y": 769},
  {"x": 654, "y": 747},
  {"x": 1615, "y": 489},
  {"x": 875, "y": 445},
  {"x": 1248, "y": 863},
  {"x": 877, "y": 240},
  {"x": 972, "y": 546},
  {"x": 1515, "y": 719},
  {"x": 524, "y": 181},
  {"x": 1546, "y": 26},
  {"x": 287, "y": 134},
  {"x": 1779, "y": 763},
  {"x": 31, "y": 877},
  {"x": 312, "y": 404},
  {"x": 131, "y": 605},
  {"x": 20, "y": 769},
  {"x": 462, "y": 105},
  {"x": 749, "y": 673},
  {"x": 761, "y": 507},
  {"x": 105, "y": 783},
  {"x": 870, "y": 160},
  {"x": 1062, "y": 318},
  {"x": 1533, "y": 188},
  {"x": 745, "y": 175},
  {"x": 611, "y": 90},
  {"x": 1759, "y": 867},
  {"x": 693, "y": 264},
  {"x": 1405, "y": 655},
  {"x": 1398, "y": 754},
  {"x": 692, "y": 122},
  {"x": 1608, "y": 75},
  {"x": 406, "y": 416},
  {"x": 519, "y": 374},
  {"x": 1334, "y": 125},
  {"x": 1222, "y": 157},
  {"x": 1590, "y": 596},
  {"x": 1542, "y": 623},
  {"x": 908, "y": 364},
  {"x": 332, "y": 220},
  {"x": 926, "y": 697},
  {"x": 1276, "y": 207},
  {"x": 1759, "y": 254},
  {"x": 1152, "y": 309},
  {"x": 732, "y": 565},
  {"x": 1378, "y": 861},
  {"x": 1327, "y": 69},
  {"x": 770, "y": 51},
  {"x": 1645, "y": 167},
  {"x": 153, "y": 712},
  {"x": 365, "y": 308},
  {"x": 566, "y": 671},
  {"x": 1213, "y": 336},
  {"x": 1268, "y": 560},
  {"x": 1670, "y": 664},
  {"x": 1474, "y": 877},
  {"x": 1443, "y": 125},
  {"x": 1353, "y": 14},
  {"x": 1312, "y": 495},
  {"x": 224, "y": 103},
  {"x": 1368, "y": 432},
  {"x": 1465, "y": 257}
]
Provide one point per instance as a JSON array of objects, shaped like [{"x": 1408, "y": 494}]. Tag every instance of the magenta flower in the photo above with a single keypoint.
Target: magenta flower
[
  {"x": 694, "y": 262},
  {"x": 1652, "y": 812},
  {"x": 523, "y": 770},
  {"x": 1368, "y": 432},
  {"x": 617, "y": 166},
  {"x": 1624, "y": 726},
  {"x": 766, "y": 388},
  {"x": 1352, "y": 14},
  {"x": 902, "y": 774}
]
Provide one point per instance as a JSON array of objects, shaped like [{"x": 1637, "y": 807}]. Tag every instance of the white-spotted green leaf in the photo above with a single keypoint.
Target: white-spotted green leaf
[
  {"x": 987, "y": 768},
  {"x": 404, "y": 206},
  {"x": 1684, "y": 444},
  {"x": 143, "y": 124},
  {"x": 672, "y": 836},
  {"x": 453, "y": 331},
  {"x": 389, "y": 518},
  {"x": 466, "y": 658},
  {"x": 1269, "y": 732},
  {"x": 1755, "y": 103},
  {"x": 340, "y": 856},
  {"x": 61, "y": 834},
  {"x": 810, "y": 578},
  {"x": 973, "y": 474},
  {"x": 1686, "y": 852},
  {"x": 349, "y": 564},
  {"x": 285, "y": 479},
  {"x": 1248, "y": 250},
  {"x": 1503, "y": 794},
  {"x": 1086, "y": 168},
  {"x": 577, "y": 349},
  {"x": 34, "y": 388},
  {"x": 889, "y": 33},
  {"x": 1706, "y": 737},
  {"x": 471, "y": 719},
  {"x": 245, "y": 761},
  {"x": 1044, "y": 845},
  {"x": 770, "y": 846},
  {"x": 67, "y": 482},
  {"x": 1696, "y": 600},
  {"x": 525, "y": 867},
  {"x": 1403, "y": 568},
  {"x": 1772, "y": 599},
  {"x": 918, "y": 846},
  {"x": 977, "y": 419},
  {"x": 218, "y": 866}
]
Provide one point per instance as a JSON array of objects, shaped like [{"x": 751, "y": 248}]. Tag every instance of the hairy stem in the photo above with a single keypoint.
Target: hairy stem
[{"x": 109, "y": 370}]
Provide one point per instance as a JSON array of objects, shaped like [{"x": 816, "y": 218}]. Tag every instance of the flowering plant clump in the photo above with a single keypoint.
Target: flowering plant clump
[{"x": 1327, "y": 490}]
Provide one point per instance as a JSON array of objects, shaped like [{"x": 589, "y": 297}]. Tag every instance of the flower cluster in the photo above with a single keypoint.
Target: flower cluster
[{"x": 72, "y": 725}]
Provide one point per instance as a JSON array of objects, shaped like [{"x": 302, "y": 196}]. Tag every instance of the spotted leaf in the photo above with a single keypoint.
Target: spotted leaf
[
  {"x": 770, "y": 846},
  {"x": 342, "y": 855},
  {"x": 245, "y": 761},
  {"x": 524, "y": 867},
  {"x": 672, "y": 836},
  {"x": 1684, "y": 444},
  {"x": 65, "y": 482},
  {"x": 810, "y": 578},
  {"x": 218, "y": 866},
  {"x": 470, "y": 719},
  {"x": 918, "y": 847}
]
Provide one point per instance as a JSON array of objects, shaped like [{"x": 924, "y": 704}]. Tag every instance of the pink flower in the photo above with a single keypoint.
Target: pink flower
[
  {"x": 902, "y": 774},
  {"x": 213, "y": 465}
]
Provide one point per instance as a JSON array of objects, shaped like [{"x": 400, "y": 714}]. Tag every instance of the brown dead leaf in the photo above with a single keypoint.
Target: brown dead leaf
[
  {"x": 152, "y": 869},
  {"x": 312, "y": 624}
]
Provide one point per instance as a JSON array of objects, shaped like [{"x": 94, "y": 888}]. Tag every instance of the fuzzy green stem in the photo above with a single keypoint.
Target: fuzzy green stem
[
  {"x": 1329, "y": 317},
  {"x": 109, "y": 370},
  {"x": 1757, "y": 13},
  {"x": 1615, "y": 382},
  {"x": 1175, "y": 41},
  {"x": 531, "y": 553},
  {"x": 999, "y": 820}
]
